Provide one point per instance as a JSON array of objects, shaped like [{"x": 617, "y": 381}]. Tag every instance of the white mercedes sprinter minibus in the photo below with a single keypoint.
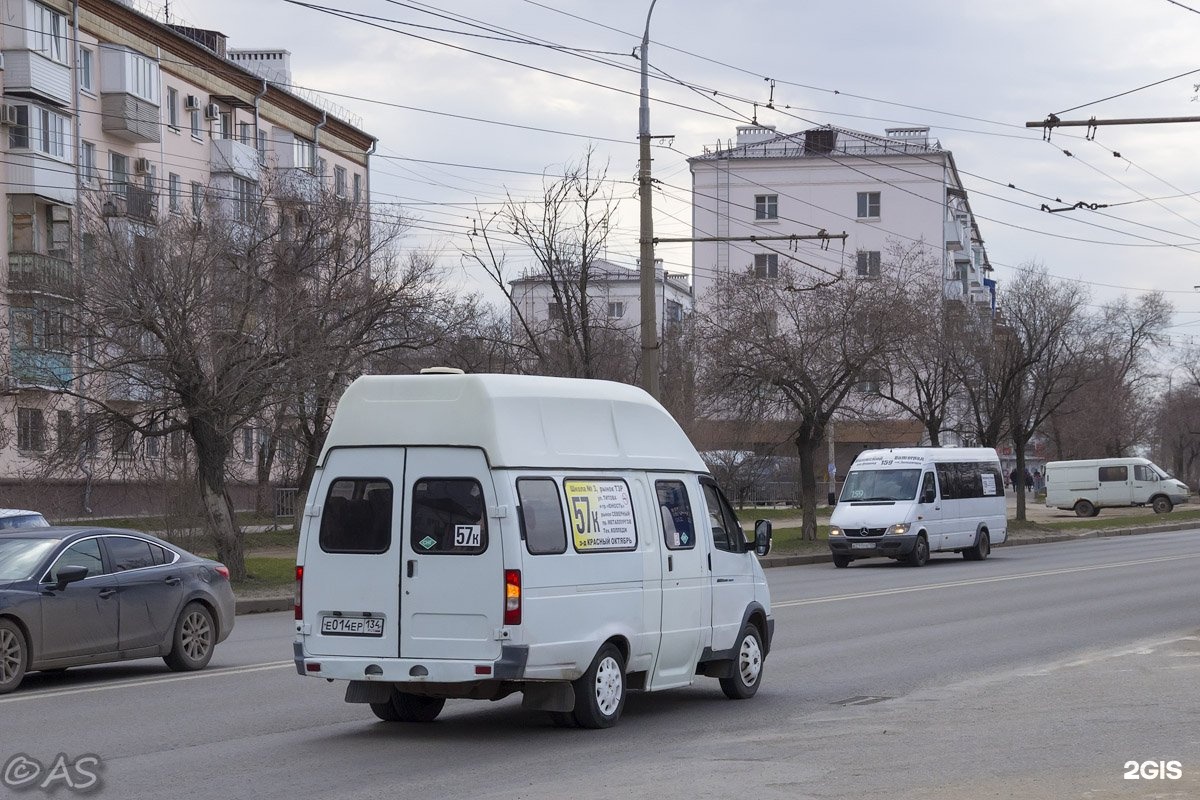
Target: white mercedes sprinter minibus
[
  {"x": 1089, "y": 485},
  {"x": 906, "y": 503},
  {"x": 471, "y": 536}
]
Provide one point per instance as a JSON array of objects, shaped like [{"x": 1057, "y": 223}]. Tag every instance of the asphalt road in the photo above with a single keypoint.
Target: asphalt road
[{"x": 1038, "y": 673}]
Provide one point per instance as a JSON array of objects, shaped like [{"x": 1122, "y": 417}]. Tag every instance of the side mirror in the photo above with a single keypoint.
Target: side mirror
[
  {"x": 762, "y": 537},
  {"x": 67, "y": 575}
]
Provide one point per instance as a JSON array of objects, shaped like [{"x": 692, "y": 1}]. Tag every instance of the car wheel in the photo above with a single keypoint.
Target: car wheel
[
  {"x": 405, "y": 707},
  {"x": 1162, "y": 505},
  {"x": 747, "y": 667},
  {"x": 1084, "y": 508},
  {"x": 194, "y": 640},
  {"x": 920, "y": 553},
  {"x": 600, "y": 693},
  {"x": 841, "y": 562},
  {"x": 14, "y": 656},
  {"x": 981, "y": 548}
]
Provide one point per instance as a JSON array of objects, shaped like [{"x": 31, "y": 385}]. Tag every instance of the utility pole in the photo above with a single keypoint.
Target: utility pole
[{"x": 650, "y": 343}]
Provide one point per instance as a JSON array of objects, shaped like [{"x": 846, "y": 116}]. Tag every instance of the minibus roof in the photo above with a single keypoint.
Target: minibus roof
[
  {"x": 518, "y": 420},
  {"x": 916, "y": 457}
]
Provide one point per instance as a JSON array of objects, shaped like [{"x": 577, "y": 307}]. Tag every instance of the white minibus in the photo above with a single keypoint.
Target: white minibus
[
  {"x": 472, "y": 536},
  {"x": 1086, "y": 486},
  {"x": 906, "y": 503}
]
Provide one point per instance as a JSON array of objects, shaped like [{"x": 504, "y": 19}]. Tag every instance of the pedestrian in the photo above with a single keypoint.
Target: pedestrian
[
  {"x": 1012, "y": 478},
  {"x": 1039, "y": 482},
  {"x": 1028, "y": 480}
]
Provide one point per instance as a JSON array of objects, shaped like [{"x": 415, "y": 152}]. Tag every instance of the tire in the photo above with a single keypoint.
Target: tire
[
  {"x": 980, "y": 550},
  {"x": 194, "y": 639},
  {"x": 841, "y": 562},
  {"x": 14, "y": 656},
  {"x": 747, "y": 667},
  {"x": 919, "y": 556},
  {"x": 1162, "y": 505},
  {"x": 600, "y": 693},
  {"x": 405, "y": 707},
  {"x": 1084, "y": 508}
]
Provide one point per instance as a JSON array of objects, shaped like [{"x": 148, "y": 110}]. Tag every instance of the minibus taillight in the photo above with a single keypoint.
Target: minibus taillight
[
  {"x": 299, "y": 597},
  {"x": 512, "y": 597}
]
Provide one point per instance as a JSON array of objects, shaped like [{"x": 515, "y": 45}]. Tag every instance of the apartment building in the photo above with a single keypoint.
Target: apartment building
[
  {"x": 899, "y": 192},
  {"x": 104, "y": 103}
]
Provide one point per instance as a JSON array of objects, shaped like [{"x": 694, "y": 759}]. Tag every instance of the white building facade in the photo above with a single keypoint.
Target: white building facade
[{"x": 157, "y": 120}]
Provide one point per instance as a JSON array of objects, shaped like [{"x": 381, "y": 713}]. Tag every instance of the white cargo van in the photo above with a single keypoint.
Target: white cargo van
[
  {"x": 906, "y": 503},
  {"x": 1089, "y": 485},
  {"x": 471, "y": 536}
]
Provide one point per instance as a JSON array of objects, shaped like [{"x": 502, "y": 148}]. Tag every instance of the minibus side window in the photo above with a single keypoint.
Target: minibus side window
[
  {"x": 1114, "y": 474},
  {"x": 448, "y": 517},
  {"x": 727, "y": 535},
  {"x": 357, "y": 516},
  {"x": 542, "y": 516},
  {"x": 928, "y": 488},
  {"x": 679, "y": 530},
  {"x": 1143, "y": 473}
]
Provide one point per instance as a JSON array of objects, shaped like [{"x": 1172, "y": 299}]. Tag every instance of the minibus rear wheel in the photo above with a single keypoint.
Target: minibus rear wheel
[
  {"x": 600, "y": 692},
  {"x": 1084, "y": 508}
]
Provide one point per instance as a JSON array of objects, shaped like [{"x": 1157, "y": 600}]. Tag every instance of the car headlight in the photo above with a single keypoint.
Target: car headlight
[
  {"x": 835, "y": 531},
  {"x": 899, "y": 528}
]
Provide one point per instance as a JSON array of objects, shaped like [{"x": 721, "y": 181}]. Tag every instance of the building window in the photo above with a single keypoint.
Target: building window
[
  {"x": 674, "y": 311},
  {"x": 616, "y": 310},
  {"x": 118, "y": 169},
  {"x": 173, "y": 107},
  {"x": 766, "y": 265},
  {"x": 868, "y": 205},
  {"x": 174, "y": 193},
  {"x": 322, "y": 166},
  {"x": 869, "y": 382},
  {"x": 357, "y": 188},
  {"x": 49, "y": 32},
  {"x": 555, "y": 311},
  {"x": 194, "y": 115},
  {"x": 304, "y": 154},
  {"x": 31, "y": 429},
  {"x": 766, "y": 206},
  {"x": 247, "y": 444},
  {"x": 39, "y": 129},
  {"x": 245, "y": 133},
  {"x": 152, "y": 447},
  {"x": 262, "y": 146},
  {"x": 175, "y": 444},
  {"x": 87, "y": 163},
  {"x": 65, "y": 428},
  {"x": 86, "y": 73},
  {"x": 339, "y": 181},
  {"x": 225, "y": 125},
  {"x": 197, "y": 199},
  {"x": 246, "y": 199},
  {"x": 868, "y": 263},
  {"x": 123, "y": 443}
]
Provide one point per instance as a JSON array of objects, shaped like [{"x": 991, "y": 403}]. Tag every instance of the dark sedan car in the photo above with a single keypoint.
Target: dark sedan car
[{"x": 72, "y": 596}]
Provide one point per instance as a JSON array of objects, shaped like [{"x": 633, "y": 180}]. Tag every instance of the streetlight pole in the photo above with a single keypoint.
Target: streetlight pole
[{"x": 650, "y": 352}]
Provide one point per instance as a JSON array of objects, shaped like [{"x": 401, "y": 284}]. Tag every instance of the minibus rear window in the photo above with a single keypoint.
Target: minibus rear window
[
  {"x": 357, "y": 517},
  {"x": 448, "y": 517}
]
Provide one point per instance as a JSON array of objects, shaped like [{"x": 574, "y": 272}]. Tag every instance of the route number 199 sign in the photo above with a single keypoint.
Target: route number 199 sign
[{"x": 601, "y": 515}]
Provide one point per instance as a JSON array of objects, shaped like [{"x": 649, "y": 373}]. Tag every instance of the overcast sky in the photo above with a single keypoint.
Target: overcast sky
[{"x": 974, "y": 72}]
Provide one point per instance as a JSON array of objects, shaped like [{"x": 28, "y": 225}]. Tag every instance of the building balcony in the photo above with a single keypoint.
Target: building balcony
[
  {"x": 33, "y": 173},
  {"x": 33, "y": 368},
  {"x": 297, "y": 184},
  {"x": 954, "y": 237},
  {"x": 36, "y": 273},
  {"x": 229, "y": 156},
  {"x": 28, "y": 73},
  {"x": 130, "y": 118},
  {"x": 130, "y": 200}
]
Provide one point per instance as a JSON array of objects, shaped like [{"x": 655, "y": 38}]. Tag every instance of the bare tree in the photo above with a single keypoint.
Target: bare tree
[
  {"x": 1044, "y": 336},
  {"x": 791, "y": 349},
  {"x": 565, "y": 233}
]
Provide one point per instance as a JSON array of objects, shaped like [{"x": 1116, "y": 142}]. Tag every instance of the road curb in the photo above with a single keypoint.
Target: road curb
[{"x": 266, "y": 605}]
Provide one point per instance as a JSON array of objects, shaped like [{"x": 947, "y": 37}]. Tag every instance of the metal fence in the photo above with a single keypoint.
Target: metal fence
[{"x": 285, "y": 506}]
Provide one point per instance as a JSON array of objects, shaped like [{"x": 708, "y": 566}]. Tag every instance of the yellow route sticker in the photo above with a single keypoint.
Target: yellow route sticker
[{"x": 601, "y": 515}]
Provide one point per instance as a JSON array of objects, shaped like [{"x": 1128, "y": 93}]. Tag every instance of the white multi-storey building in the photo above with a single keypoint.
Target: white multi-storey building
[
  {"x": 156, "y": 119},
  {"x": 901, "y": 190}
]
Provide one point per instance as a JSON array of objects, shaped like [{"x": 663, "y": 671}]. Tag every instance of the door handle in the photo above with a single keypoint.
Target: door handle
[
  {"x": 670, "y": 563},
  {"x": 171, "y": 580},
  {"x": 412, "y": 568},
  {"x": 724, "y": 580},
  {"x": 105, "y": 593}
]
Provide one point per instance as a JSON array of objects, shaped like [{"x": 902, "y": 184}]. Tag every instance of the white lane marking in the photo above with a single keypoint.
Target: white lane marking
[
  {"x": 977, "y": 581},
  {"x": 212, "y": 673}
]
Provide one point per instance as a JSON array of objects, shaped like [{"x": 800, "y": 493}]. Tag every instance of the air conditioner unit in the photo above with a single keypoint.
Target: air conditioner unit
[
  {"x": 141, "y": 166},
  {"x": 8, "y": 115},
  {"x": 212, "y": 111},
  {"x": 191, "y": 103}
]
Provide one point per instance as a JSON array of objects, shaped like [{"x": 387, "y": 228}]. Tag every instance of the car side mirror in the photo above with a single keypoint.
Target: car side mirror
[
  {"x": 929, "y": 496},
  {"x": 68, "y": 575},
  {"x": 762, "y": 537}
]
